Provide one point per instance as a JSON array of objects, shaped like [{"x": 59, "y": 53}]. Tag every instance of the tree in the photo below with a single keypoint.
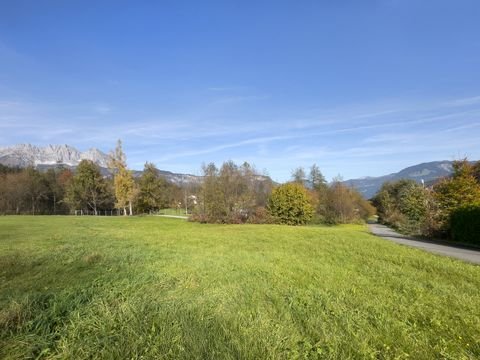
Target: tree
[
  {"x": 289, "y": 204},
  {"x": 12, "y": 195},
  {"x": 152, "y": 190},
  {"x": 230, "y": 186},
  {"x": 88, "y": 189},
  {"x": 461, "y": 190},
  {"x": 320, "y": 189},
  {"x": 250, "y": 185},
  {"x": 299, "y": 176},
  {"x": 476, "y": 171},
  {"x": 34, "y": 187},
  {"x": 232, "y": 194},
  {"x": 412, "y": 201},
  {"x": 211, "y": 196},
  {"x": 344, "y": 204},
  {"x": 124, "y": 183},
  {"x": 55, "y": 190},
  {"x": 405, "y": 205},
  {"x": 340, "y": 207},
  {"x": 316, "y": 178}
]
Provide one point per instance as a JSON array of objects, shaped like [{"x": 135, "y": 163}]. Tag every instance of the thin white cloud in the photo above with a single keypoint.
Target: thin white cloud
[
  {"x": 372, "y": 131},
  {"x": 261, "y": 140},
  {"x": 102, "y": 109},
  {"x": 464, "y": 102},
  {"x": 235, "y": 99},
  {"x": 227, "y": 88}
]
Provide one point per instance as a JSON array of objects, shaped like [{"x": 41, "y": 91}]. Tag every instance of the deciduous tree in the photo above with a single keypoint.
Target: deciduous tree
[
  {"x": 461, "y": 190},
  {"x": 124, "y": 183}
]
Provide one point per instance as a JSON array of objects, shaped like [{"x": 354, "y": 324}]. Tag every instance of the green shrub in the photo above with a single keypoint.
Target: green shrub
[
  {"x": 465, "y": 224},
  {"x": 404, "y": 205},
  {"x": 289, "y": 204}
]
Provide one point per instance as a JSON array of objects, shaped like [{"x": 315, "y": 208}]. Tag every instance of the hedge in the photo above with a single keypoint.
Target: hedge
[{"x": 465, "y": 225}]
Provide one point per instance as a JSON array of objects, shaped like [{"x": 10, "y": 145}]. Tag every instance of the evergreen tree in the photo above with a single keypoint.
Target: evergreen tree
[
  {"x": 299, "y": 176},
  {"x": 316, "y": 178},
  {"x": 88, "y": 190},
  {"x": 153, "y": 193}
]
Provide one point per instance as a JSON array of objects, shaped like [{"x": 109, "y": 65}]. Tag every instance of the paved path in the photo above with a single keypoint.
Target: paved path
[
  {"x": 173, "y": 216},
  {"x": 469, "y": 255}
]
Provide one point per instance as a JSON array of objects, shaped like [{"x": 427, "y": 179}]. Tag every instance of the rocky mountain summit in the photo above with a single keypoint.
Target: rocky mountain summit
[
  {"x": 30, "y": 155},
  {"x": 51, "y": 156}
]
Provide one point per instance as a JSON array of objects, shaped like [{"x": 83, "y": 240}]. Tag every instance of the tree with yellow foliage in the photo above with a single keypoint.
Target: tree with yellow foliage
[{"x": 124, "y": 183}]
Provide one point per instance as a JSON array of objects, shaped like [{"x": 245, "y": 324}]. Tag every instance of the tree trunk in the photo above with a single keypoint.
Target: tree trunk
[
  {"x": 124, "y": 211},
  {"x": 130, "y": 206}
]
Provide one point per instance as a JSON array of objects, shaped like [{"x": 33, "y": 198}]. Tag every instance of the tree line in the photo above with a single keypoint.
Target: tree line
[
  {"x": 229, "y": 194},
  {"x": 240, "y": 194},
  {"x": 450, "y": 208}
]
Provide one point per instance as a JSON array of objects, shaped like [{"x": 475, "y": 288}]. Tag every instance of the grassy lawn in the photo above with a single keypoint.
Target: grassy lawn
[{"x": 150, "y": 287}]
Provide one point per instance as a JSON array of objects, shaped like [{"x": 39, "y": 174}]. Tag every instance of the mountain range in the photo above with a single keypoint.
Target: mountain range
[
  {"x": 30, "y": 155},
  {"x": 427, "y": 172},
  {"x": 51, "y": 156},
  {"x": 55, "y": 155}
]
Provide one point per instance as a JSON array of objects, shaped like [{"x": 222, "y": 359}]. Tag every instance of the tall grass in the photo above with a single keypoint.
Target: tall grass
[{"x": 82, "y": 287}]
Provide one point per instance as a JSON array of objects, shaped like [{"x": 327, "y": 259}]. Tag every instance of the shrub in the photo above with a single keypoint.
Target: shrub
[
  {"x": 404, "y": 205},
  {"x": 261, "y": 216},
  {"x": 455, "y": 193},
  {"x": 289, "y": 204},
  {"x": 465, "y": 224},
  {"x": 343, "y": 205}
]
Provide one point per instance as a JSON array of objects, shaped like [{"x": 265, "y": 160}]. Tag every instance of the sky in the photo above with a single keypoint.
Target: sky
[{"x": 361, "y": 88}]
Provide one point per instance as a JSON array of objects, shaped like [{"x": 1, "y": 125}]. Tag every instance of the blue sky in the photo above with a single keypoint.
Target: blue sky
[{"x": 358, "y": 87}]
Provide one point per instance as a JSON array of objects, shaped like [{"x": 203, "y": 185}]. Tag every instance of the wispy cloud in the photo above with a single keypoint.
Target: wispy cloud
[
  {"x": 346, "y": 135},
  {"x": 209, "y": 150},
  {"x": 227, "y": 88},
  {"x": 102, "y": 108},
  {"x": 465, "y": 101},
  {"x": 235, "y": 99}
]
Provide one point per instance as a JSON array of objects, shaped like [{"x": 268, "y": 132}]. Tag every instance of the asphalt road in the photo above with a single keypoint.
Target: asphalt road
[{"x": 464, "y": 254}]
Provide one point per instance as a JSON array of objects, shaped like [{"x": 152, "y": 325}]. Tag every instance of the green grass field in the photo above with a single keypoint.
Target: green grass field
[{"x": 150, "y": 287}]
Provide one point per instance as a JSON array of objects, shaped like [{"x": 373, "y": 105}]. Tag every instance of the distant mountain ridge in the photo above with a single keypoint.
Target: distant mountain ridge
[
  {"x": 428, "y": 172},
  {"x": 30, "y": 155},
  {"x": 52, "y": 156},
  {"x": 65, "y": 155}
]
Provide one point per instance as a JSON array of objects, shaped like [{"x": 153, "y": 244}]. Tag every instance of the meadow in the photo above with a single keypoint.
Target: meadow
[{"x": 158, "y": 288}]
